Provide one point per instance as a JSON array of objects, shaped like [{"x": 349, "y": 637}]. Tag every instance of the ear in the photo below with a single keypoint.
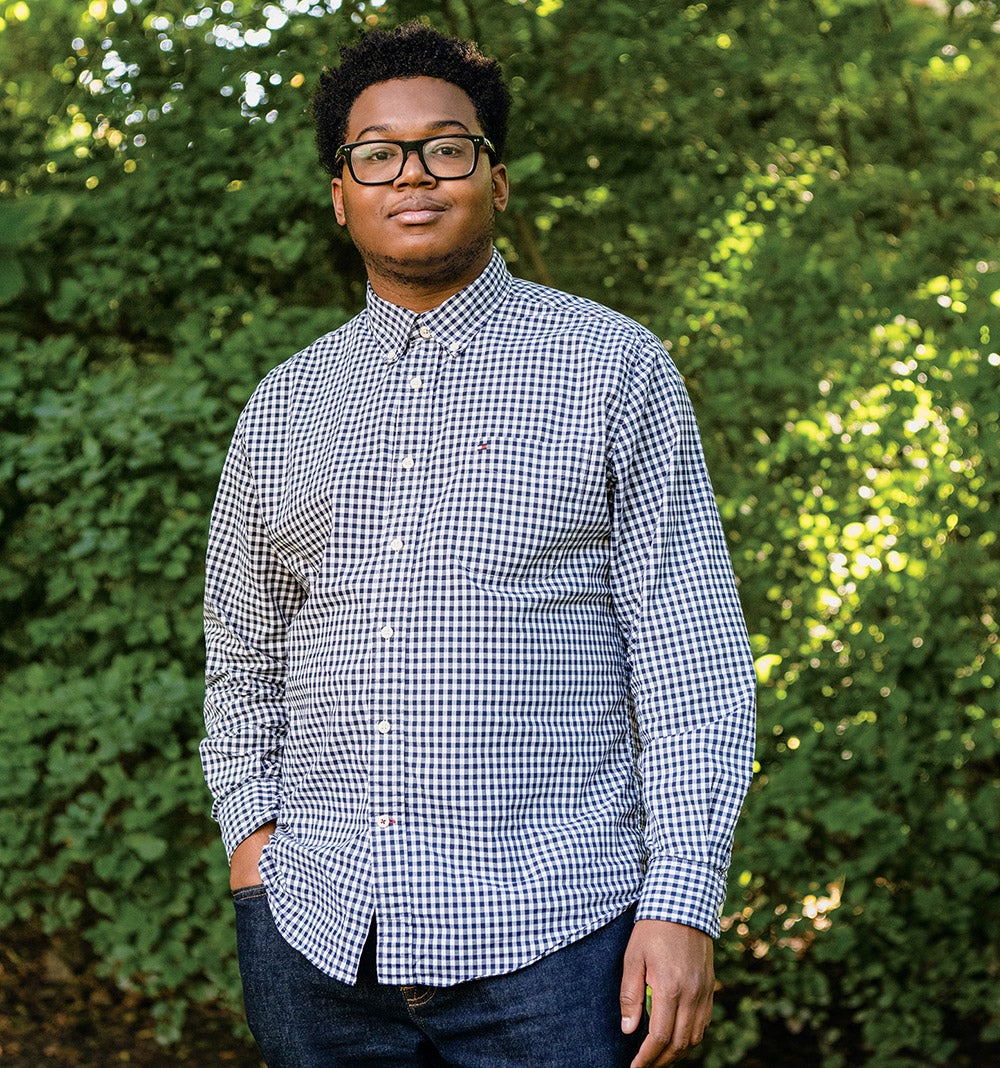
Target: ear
[
  {"x": 501, "y": 187},
  {"x": 337, "y": 193}
]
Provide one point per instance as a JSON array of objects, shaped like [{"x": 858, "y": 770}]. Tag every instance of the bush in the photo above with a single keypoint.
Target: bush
[{"x": 805, "y": 204}]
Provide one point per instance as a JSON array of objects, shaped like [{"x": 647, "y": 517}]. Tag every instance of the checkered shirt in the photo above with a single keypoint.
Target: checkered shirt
[{"x": 473, "y": 637}]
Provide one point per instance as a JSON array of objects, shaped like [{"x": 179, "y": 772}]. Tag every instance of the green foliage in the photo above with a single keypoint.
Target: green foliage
[{"x": 804, "y": 198}]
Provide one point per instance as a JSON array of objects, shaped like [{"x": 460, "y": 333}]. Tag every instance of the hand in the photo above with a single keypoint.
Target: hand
[
  {"x": 243, "y": 865},
  {"x": 675, "y": 961}
]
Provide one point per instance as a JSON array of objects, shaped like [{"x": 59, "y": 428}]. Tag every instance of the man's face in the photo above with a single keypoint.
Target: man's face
[{"x": 419, "y": 231}]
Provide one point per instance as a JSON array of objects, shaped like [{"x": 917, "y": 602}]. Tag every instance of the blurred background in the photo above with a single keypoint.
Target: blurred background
[{"x": 802, "y": 197}]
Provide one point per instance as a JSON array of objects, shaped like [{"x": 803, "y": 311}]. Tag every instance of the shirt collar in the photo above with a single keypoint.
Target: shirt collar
[{"x": 452, "y": 324}]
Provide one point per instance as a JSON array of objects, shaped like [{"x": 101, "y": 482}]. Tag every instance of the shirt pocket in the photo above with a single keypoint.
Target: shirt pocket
[{"x": 521, "y": 509}]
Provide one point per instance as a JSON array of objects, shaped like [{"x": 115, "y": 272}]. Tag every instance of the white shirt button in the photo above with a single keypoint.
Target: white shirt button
[
  {"x": 424, "y": 331},
  {"x": 408, "y": 463},
  {"x": 387, "y": 632},
  {"x": 384, "y": 727},
  {"x": 384, "y": 821},
  {"x": 416, "y": 382},
  {"x": 396, "y": 544},
  {"x": 455, "y": 348}
]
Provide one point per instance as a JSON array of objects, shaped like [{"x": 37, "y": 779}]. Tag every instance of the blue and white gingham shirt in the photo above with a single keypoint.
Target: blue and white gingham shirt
[{"x": 473, "y": 637}]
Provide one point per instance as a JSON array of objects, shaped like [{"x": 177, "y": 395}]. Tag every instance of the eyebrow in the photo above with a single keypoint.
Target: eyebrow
[{"x": 440, "y": 124}]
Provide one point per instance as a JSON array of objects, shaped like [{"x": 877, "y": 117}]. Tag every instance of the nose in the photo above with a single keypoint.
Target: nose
[{"x": 414, "y": 172}]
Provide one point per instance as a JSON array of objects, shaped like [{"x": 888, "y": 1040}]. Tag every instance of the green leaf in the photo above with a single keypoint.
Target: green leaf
[
  {"x": 146, "y": 846},
  {"x": 12, "y": 278}
]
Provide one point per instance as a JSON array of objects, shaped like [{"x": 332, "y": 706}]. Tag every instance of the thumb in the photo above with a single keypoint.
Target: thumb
[{"x": 633, "y": 993}]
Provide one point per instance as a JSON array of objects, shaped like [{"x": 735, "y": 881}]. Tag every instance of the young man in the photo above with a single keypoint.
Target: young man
[{"x": 480, "y": 702}]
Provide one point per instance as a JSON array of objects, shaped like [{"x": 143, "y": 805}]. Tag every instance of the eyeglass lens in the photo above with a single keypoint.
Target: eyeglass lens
[{"x": 442, "y": 157}]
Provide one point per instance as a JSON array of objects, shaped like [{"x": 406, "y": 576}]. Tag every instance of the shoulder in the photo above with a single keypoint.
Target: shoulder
[
  {"x": 606, "y": 337},
  {"x": 315, "y": 357},
  {"x": 548, "y": 308},
  {"x": 304, "y": 371}
]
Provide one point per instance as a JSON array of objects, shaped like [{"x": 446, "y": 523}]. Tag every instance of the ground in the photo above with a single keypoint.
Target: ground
[{"x": 55, "y": 1011}]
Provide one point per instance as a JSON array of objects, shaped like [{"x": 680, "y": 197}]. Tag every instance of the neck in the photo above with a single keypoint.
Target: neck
[{"x": 421, "y": 287}]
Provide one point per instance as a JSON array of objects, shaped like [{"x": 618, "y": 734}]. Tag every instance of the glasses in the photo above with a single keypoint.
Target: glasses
[{"x": 382, "y": 162}]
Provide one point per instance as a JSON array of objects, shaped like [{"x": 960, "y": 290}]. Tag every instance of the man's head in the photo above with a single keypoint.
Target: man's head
[
  {"x": 409, "y": 51},
  {"x": 420, "y": 120}
]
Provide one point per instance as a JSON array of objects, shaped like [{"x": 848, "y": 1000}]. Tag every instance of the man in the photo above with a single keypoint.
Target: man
[{"x": 480, "y": 703}]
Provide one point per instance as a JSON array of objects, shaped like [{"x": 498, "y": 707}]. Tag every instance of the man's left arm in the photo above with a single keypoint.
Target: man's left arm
[{"x": 693, "y": 692}]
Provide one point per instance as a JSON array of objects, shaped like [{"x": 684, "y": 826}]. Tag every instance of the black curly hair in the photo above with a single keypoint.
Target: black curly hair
[{"x": 409, "y": 51}]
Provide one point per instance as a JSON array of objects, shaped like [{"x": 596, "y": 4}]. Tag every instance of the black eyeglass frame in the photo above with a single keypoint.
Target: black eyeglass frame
[{"x": 479, "y": 142}]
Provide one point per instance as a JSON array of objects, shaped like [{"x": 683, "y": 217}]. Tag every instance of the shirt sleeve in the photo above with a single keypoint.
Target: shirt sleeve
[
  {"x": 692, "y": 681},
  {"x": 250, "y": 599}
]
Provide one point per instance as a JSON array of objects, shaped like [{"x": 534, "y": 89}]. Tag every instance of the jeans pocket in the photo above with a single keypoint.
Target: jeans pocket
[{"x": 249, "y": 893}]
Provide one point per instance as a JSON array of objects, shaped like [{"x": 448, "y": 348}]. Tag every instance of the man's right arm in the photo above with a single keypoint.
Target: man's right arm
[
  {"x": 250, "y": 598},
  {"x": 244, "y": 866}
]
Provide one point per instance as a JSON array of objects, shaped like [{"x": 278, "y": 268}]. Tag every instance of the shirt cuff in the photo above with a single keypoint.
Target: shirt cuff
[
  {"x": 240, "y": 813},
  {"x": 683, "y": 892}
]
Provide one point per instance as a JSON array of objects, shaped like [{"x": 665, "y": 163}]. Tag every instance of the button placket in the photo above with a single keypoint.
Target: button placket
[
  {"x": 413, "y": 404},
  {"x": 413, "y": 377}
]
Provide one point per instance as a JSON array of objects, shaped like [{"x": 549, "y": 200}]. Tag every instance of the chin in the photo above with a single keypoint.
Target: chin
[{"x": 429, "y": 266}]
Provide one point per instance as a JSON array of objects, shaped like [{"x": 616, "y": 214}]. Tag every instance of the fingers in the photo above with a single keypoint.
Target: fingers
[
  {"x": 675, "y": 962},
  {"x": 658, "y": 1046},
  {"x": 633, "y": 992},
  {"x": 674, "y": 1031}
]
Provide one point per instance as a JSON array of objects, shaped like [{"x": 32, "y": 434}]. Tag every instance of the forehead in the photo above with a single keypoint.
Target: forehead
[{"x": 410, "y": 107}]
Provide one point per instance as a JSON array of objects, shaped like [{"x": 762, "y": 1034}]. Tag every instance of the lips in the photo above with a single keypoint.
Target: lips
[{"x": 416, "y": 212}]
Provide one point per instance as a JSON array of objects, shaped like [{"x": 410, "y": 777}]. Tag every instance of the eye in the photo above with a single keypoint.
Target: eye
[
  {"x": 450, "y": 148},
  {"x": 376, "y": 153}
]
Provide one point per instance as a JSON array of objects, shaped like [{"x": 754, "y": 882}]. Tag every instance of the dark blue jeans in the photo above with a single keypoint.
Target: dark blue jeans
[{"x": 560, "y": 1012}]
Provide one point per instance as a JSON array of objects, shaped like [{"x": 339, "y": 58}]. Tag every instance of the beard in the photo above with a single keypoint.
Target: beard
[{"x": 455, "y": 265}]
